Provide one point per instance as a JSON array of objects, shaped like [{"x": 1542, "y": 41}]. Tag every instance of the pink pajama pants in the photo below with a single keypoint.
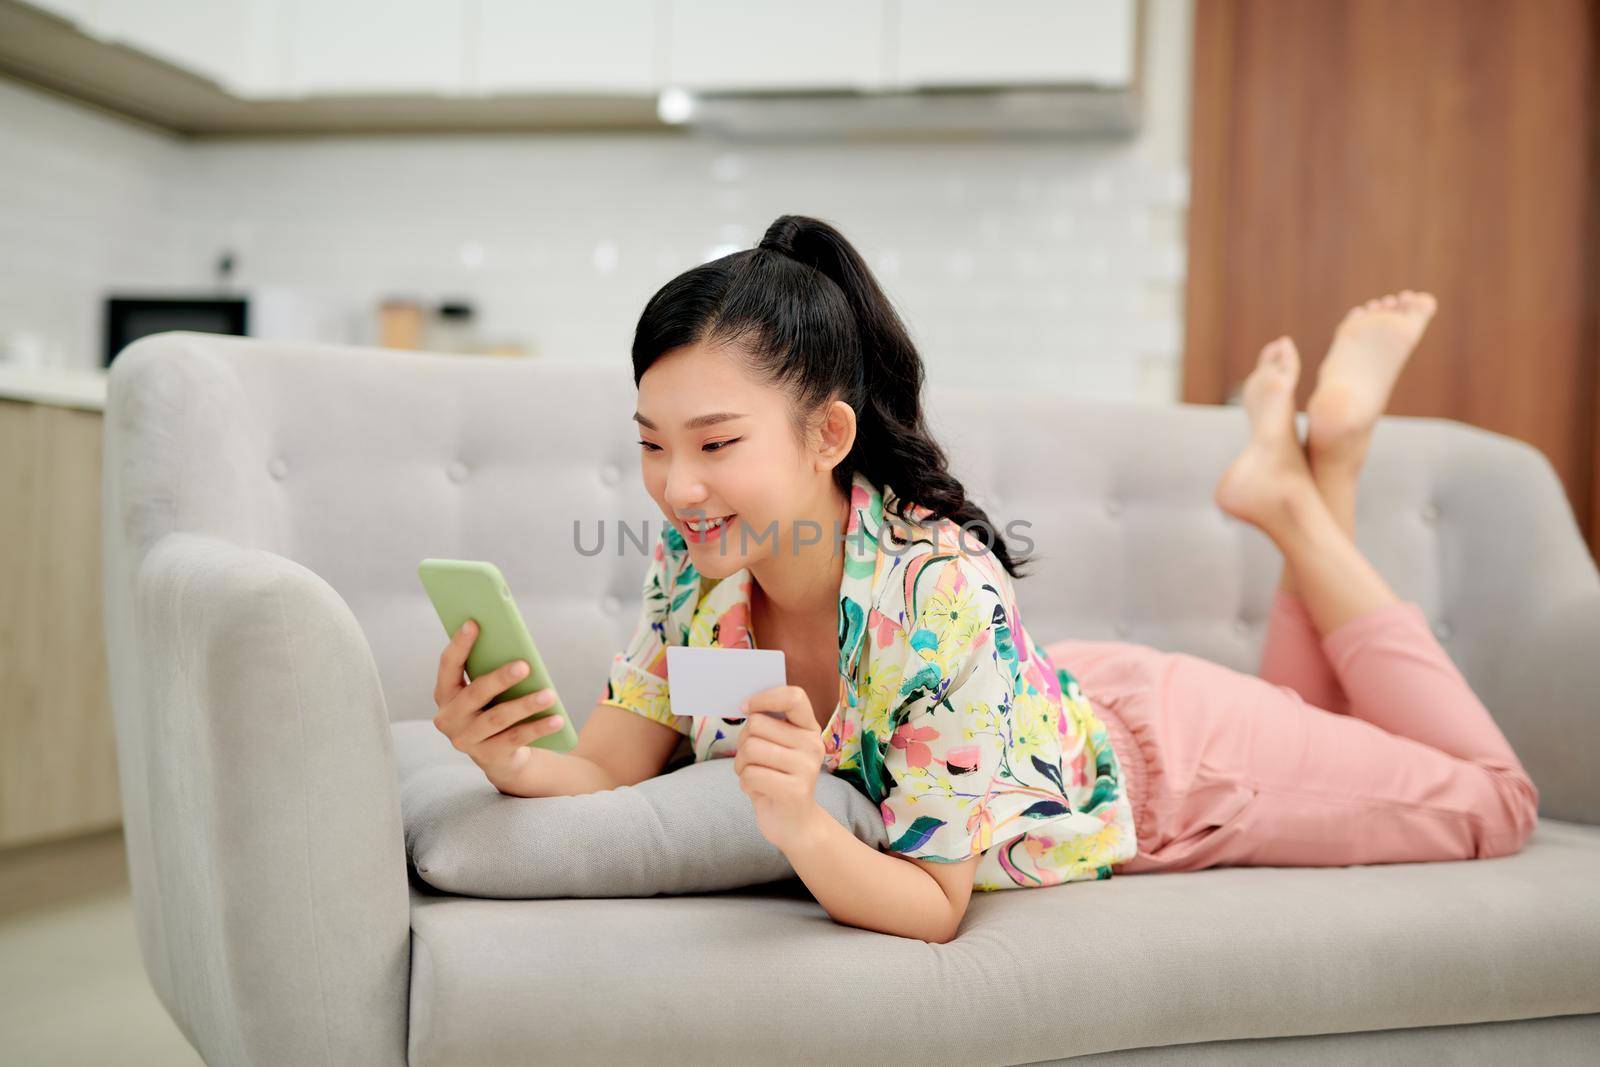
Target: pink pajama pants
[{"x": 1365, "y": 745}]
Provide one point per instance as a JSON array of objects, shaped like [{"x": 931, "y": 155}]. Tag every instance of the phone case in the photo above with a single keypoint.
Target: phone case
[{"x": 463, "y": 588}]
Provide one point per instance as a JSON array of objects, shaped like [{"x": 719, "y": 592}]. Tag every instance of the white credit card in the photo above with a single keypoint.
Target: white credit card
[{"x": 715, "y": 681}]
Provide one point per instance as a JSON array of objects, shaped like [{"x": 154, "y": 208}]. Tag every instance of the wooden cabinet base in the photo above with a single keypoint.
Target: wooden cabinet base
[{"x": 58, "y": 761}]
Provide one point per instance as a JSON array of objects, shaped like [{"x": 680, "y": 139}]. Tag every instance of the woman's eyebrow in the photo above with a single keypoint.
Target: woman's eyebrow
[{"x": 695, "y": 423}]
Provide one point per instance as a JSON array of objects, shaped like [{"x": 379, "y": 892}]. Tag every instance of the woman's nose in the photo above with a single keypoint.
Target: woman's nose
[{"x": 684, "y": 491}]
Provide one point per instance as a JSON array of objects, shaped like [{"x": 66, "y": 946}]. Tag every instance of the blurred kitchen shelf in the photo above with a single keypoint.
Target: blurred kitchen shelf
[{"x": 63, "y": 388}]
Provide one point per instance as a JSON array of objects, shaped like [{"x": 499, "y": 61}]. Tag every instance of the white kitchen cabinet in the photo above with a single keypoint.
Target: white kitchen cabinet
[
  {"x": 608, "y": 46},
  {"x": 230, "y": 42},
  {"x": 376, "y": 46},
  {"x": 277, "y": 49},
  {"x": 72, "y": 10},
  {"x": 1013, "y": 43},
  {"x": 776, "y": 44}
]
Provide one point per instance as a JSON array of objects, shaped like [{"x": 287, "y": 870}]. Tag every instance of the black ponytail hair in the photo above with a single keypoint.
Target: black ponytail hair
[{"x": 807, "y": 311}]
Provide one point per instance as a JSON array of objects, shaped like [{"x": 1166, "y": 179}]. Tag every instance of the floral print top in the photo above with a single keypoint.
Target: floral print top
[{"x": 949, "y": 717}]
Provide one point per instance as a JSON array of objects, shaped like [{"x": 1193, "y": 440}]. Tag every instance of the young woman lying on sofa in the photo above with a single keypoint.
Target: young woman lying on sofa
[{"x": 779, "y": 395}]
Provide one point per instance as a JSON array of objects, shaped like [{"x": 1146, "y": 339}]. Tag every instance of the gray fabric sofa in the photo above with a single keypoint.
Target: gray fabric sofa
[{"x": 271, "y": 650}]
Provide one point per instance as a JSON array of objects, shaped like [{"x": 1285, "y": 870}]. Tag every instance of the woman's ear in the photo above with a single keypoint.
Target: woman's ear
[{"x": 837, "y": 435}]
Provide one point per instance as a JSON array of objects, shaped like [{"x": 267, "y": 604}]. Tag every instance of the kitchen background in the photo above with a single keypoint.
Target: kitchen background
[
  {"x": 1120, "y": 200},
  {"x": 1061, "y": 259}
]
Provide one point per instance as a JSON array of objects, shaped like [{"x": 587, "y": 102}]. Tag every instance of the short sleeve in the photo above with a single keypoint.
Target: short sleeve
[
  {"x": 638, "y": 674},
  {"x": 962, "y": 765}
]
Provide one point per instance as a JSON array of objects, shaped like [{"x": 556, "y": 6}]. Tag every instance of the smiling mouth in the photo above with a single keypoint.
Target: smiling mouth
[{"x": 705, "y": 528}]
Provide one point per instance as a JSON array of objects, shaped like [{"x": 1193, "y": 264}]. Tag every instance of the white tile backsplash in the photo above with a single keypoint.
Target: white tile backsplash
[
  {"x": 85, "y": 202},
  {"x": 1062, "y": 262}
]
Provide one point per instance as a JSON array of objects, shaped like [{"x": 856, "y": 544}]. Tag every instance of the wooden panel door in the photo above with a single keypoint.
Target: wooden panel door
[{"x": 1342, "y": 149}]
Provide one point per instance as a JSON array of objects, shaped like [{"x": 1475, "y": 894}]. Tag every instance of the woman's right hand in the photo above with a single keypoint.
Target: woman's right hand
[{"x": 499, "y": 748}]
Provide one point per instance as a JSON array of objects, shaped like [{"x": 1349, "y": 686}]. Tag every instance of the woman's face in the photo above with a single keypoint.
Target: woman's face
[{"x": 716, "y": 442}]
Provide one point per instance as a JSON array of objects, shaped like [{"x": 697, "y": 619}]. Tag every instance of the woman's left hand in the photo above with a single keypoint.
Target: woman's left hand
[{"x": 777, "y": 759}]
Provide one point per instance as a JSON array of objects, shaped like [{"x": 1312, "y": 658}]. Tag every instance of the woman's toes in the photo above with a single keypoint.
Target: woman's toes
[
  {"x": 1420, "y": 305},
  {"x": 1268, "y": 355},
  {"x": 1281, "y": 360},
  {"x": 1288, "y": 356},
  {"x": 1268, "y": 393},
  {"x": 1409, "y": 300}
]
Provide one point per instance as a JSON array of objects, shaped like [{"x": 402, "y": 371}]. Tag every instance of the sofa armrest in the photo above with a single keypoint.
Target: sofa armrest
[
  {"x": 273, "y": 811},
  {"x": 1548, "y": 696}
]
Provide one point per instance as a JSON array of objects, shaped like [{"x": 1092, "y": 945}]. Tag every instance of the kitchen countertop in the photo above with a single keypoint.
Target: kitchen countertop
[{"x": 47, "y": 385}]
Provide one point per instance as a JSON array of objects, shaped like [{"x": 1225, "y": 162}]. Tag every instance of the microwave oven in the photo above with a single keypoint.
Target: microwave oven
[
  {"x": 129, "y": 318},
  {"x": 268, "y": 312}
]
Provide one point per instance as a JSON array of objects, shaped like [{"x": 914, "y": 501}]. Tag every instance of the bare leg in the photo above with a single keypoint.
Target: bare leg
[
  {"x": 1286, "y": 582},
  {"x": 1270, "y": 486},
  {"x": 1291, "y": 652},
  {"x": 1335, "y": 580}
]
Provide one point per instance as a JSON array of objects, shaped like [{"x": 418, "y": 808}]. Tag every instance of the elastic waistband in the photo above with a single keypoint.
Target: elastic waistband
[{"x": 1135, "y": 768}]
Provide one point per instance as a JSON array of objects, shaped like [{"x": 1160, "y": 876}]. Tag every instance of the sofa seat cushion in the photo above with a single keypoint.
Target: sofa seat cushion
[
  {"x": 691, "y": 829},
  {"x": 763, "y": 974}
]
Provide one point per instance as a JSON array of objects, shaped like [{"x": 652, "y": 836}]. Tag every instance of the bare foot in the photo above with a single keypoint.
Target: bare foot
[
  {"x": 1355, "y": 378},
  {"x": 1260, "y": 484}
]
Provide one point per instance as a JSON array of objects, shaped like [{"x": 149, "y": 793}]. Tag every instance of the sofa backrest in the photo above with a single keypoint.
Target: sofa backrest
[{"x": 358, "y": 462}]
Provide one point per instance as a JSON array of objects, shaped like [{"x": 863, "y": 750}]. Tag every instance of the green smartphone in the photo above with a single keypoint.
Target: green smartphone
[{"x": 463, "y": 589}]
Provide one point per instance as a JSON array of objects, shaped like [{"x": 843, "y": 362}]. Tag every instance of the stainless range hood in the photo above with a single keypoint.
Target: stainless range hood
[{"x": 1004, "y": 112}]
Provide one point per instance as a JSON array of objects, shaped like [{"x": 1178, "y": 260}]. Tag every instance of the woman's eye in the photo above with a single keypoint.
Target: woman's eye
[{"x": 714, "y": 446}]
